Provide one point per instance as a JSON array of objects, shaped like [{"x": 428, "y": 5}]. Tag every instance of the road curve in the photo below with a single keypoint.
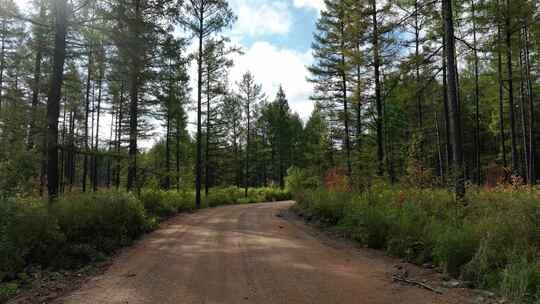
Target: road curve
[{"x": 245, "y": 254}]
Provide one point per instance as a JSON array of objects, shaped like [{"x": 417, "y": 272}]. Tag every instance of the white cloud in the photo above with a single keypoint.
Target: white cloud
[
  {"x": 261, "y": 17},
  {"x": 313, "y": 4},
  {"x": 273, "y": 67}
]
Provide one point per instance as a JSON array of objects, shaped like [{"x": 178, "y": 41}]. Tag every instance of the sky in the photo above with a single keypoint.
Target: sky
[{"x": 275, "y": 36}]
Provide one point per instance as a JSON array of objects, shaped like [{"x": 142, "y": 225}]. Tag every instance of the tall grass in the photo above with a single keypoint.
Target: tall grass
[{"x": 493, "y": 242}]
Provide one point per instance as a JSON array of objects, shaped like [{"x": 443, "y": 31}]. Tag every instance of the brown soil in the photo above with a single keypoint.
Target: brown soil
[{"x": 247, "y": 254}]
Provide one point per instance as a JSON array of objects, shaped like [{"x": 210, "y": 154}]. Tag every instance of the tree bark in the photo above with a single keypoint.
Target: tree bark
[
  {"x": 86, "y": 111},
  {"x": 378, "y": 98},
  {"x": 198, "y": 173},
  {"x": 455, "y": 119},
  {"x": 477, "y": 163},
  {"x": 511, "y": 108},
  {"x": 54, "y": 97},
  {"x": 501, "y": 91},
  {"x": 134, "y": 101}
]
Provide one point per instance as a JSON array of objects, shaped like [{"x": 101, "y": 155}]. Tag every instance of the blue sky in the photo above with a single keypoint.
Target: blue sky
[{"x": 276, "y": 38}]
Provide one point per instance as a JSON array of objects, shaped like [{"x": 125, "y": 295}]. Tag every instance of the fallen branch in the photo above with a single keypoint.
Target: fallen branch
[{"x": 399, "y": 278}]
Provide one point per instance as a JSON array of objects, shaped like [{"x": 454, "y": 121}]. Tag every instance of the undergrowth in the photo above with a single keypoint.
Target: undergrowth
[
  {"x": 492, "y": 242},
  {"x": 80, "y": 229}
]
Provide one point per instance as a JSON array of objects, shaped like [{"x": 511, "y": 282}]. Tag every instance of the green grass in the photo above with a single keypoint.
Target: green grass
[{"x": 494, "y": 241}]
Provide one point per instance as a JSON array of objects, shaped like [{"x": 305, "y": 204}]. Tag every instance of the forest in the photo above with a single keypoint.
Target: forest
[{"x": 422, "y": 141}]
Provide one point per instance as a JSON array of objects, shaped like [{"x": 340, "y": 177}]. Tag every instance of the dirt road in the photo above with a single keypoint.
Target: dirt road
[{"x": 245, "y": 254}]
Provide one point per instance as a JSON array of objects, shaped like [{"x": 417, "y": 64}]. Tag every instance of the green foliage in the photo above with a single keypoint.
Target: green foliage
[
  {"x": 28, "y": 233},
  {"x": 103, "y": 221},
  {"x": 7, "y": 291},
  {"x": 493, "y": 242},
  {"x": 156, "y": 203}
]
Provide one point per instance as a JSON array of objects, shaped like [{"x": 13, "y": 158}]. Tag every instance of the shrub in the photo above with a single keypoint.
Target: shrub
[
  {"x": 157, "y": 203},
  {"x": 28, "y": 234},
  {"x": 104, "y": 221},
  {"x": 493, "y": 242}
]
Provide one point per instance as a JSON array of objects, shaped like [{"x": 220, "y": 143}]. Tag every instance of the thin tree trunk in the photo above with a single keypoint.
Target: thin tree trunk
[
  {"x": 439, "y": 150},
  {"x": 246, "y": 176},
  {"x": 134, "y": 102},
  {"x": 532, "y": 145},
  {"x": 345, "y": 101},
  {"x": 455, "y": 120},
  {"x": 55, "y": 96},
  {"x": 417, "y": 68},
  {"x": 35, "y": 86},
  {"x": 119, "y": 136},
  {"x": 378, "y": 98},
  {"x": 86, "y": 111},
  {"x": 178, "y": 153},
  {"x": 95, "y": 162},
  {"x": 477, "y": 163},
  {"x": 207, "y": 150},
  {"x": 2, "y": 62},
  {"x": 511, "y": 108},
  {"x": 445, "y": 107},
  {"x": 501, "y": 92},
  {"x": 525, "y": 166},
  {"x": 198, "y": 174}
]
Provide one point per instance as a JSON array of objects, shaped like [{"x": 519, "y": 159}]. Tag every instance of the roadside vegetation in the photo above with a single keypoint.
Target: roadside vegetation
[
  {"x": 82, "y": 229},
  {"x": 491, "y": 239}
]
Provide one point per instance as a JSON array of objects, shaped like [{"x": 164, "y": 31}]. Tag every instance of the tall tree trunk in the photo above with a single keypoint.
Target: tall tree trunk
[
  {"x": 511, "y": 108},
  {"x": 2, "y": 62},
  {"x": 345, "y": 100},
  {"x": 455, "y": 119},
  {"x": 55, "y": 95},
  {"x": 119, "y": 136},
  {"x": 445, "y": 107},
  {"x": 501, "y": 91},
  {"x": 207, "y": 179},
  {"x": 246, "y": 176},
  {"x": 477, "y": 163},
  {"x": 95, "y": 162},
  {"x": 378, "y": 98},
  {"x": 134, "y": 101},
  {"x": 417, "y": 68},
  {"x": 35, "y": 85},
  {"x": 178, "y": 153},
  {"x": 439, "y": 150},
  {"x": 522, "y": 103},
  {"x": 532, "y": 125},
  {"x": 198, "y": 165},
  {"x": 86, "y": 111}
]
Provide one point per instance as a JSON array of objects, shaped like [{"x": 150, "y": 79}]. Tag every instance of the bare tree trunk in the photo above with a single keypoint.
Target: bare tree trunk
[
  {"x": 532, "y": 141},
  {"x": 511, "y": 108},
  {"x": 86, "y": 111},
  {"x": 477, "y": 163},
  {"x": 95, "y": 162},
  {"x": 525, "y": 165},
  {"x": 378, "y": 98},
  {"x": 207, "y": 179},
  {"x": 2, "y": 62},
  {"x": 198, "y": 173},
  {"x": 455, "y": 119},
  {"x": 345, "y": 101},
  {"x": 501, "y": 91},
  {"x": 446, "y": 110},
  {"x": 55, "y": 96},
  {"x": 178, "y": 154},
  {"x": 35, "y": 86},
  {"x": 417, "y": 68},
  {"x": 119, "y": 135},
  {"x": 134, "y": 102}
]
